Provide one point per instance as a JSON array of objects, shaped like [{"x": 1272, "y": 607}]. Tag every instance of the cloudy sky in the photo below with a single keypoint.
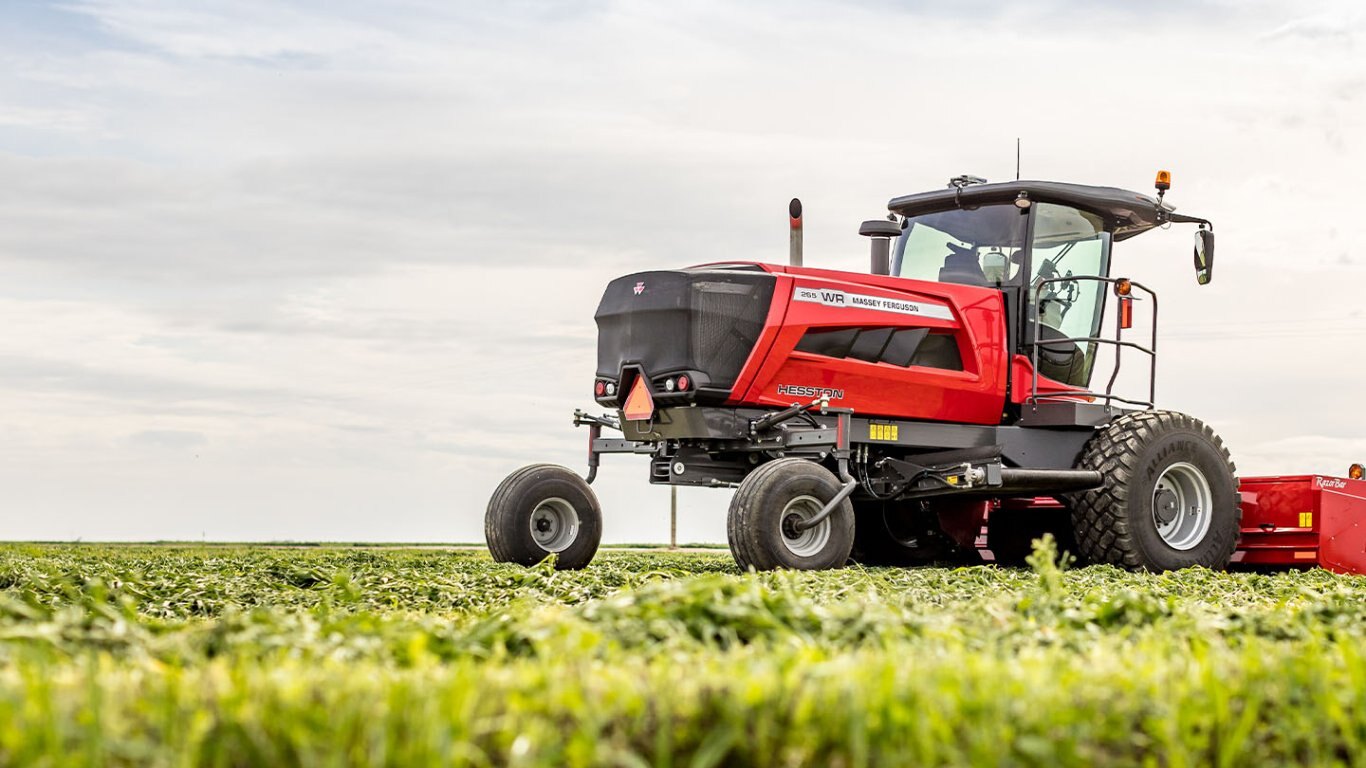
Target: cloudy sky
[{"x": 327, "y": 270}]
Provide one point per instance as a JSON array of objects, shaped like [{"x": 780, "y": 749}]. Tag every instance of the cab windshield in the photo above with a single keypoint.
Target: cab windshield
[{"x": 981, "y": 246}]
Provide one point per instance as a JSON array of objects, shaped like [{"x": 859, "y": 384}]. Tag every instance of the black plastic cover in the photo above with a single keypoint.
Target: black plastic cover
[{"x": 704, "y": 321}]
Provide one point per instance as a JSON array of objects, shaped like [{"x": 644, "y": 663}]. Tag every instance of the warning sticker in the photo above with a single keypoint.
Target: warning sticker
[
  {"x": 834, "y": 298},
  {"x": 882, "y": 432}
]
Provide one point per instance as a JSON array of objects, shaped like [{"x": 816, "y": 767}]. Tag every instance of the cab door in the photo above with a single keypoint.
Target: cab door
[{"x": 1062, "y": 308}]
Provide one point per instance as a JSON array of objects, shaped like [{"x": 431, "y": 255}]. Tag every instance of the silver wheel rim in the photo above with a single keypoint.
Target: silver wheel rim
[
  {"x": 1183, "y": 506},
  {"x": 811, "y": 541},
  {"x": 554, "y": 525}
]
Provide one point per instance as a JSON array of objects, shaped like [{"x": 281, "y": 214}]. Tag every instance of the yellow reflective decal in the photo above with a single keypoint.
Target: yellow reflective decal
[
  {"x": 882, "y": 431},
  {"x": 1306, "y": 519}
]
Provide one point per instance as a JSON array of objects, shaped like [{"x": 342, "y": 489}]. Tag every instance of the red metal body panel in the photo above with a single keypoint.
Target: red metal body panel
[
  {"x": 973, "y": 315},
  {"x": 1304, "y": 520}
]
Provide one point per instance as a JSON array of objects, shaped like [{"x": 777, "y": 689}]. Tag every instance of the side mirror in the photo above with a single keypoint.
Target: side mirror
[{"x": 1204, "y": 256}]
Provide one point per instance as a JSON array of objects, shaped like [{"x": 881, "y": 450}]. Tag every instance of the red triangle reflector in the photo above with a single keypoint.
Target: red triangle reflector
[{"x": 640, "y": 406}]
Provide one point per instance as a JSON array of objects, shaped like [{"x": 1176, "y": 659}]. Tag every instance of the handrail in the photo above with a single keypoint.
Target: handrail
[{"x": 1118, "y": 342}]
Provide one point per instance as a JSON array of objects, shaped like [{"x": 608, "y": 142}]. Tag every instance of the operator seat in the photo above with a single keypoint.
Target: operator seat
[
  {"x": 962, "y": 266},
  {"x": 1061, "y": 361}
]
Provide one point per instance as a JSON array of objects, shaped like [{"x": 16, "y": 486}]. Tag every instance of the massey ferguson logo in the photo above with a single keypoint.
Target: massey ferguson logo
[
  {"x": 832, "y": 298},
  {"x": 798, "y": 390},
  {"x": 639, "y": 289}
]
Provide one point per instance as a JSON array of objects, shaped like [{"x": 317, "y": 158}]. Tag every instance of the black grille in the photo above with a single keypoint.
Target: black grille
[
  {"x": 704, "y": 321},
  {"x": 727, "y": 319},
  {"x": 903, "y": 347}
]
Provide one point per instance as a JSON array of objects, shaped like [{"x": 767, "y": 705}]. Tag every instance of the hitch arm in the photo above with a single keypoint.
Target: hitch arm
[
  {"x": 826, "y": 511},
  {"x": 845, "y": 420},
  {"x": 595, "y": 425},
  {"x": 583, "y": 418},
  {"x": 594, "y": 430}
]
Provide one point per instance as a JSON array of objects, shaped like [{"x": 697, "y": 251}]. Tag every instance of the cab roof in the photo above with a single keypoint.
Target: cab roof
[{"x": 1129, "y": 213}]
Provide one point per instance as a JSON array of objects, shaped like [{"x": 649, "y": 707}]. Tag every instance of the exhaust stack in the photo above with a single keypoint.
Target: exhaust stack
[
  {"x": 794, "y": 241},
  {"x": 881, "y": 231}
]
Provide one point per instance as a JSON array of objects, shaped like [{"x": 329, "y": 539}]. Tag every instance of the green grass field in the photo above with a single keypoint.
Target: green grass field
[{"x": 117, "y": 655}]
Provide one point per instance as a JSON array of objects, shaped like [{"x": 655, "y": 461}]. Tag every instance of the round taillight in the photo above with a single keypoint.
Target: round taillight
[
  {"x": 600, "y": 388},
  {"x": 669, "y": 385},
  {"x": 611, "y": 389},
  {"x": 683, "y": 383}
]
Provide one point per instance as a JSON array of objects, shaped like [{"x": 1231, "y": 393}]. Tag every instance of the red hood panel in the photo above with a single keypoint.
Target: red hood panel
[{"x": 861, "y": 339}]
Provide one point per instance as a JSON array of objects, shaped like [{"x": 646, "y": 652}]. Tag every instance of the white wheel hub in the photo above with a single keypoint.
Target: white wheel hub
[
  {"x": 1183, "y": 506},
  {"x": 810, "y": 541},
  {"x": 554, "y": 524}
]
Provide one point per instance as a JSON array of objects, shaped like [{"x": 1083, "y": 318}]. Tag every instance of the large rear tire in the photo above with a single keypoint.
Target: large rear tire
[
  {"x": 1169, "y": 498},
  {"x": 540, "y": 510},
  {"x": 770, "y": 500}
]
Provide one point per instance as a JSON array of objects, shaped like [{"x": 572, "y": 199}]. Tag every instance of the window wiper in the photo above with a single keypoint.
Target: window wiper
[{"x": 1052, "y": 264}]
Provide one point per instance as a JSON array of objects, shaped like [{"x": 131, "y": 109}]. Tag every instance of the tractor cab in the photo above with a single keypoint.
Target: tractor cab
[{"x": 1045, "y": 245}]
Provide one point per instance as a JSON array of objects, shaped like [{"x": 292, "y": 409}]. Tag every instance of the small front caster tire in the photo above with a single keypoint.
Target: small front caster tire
[
  {"x": 766, "y": 509},
  {"x": 543, "y": 510}
]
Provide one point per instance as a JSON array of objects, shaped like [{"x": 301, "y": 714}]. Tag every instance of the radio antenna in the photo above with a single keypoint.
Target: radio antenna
[{"x": 1017, "y": 158}]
